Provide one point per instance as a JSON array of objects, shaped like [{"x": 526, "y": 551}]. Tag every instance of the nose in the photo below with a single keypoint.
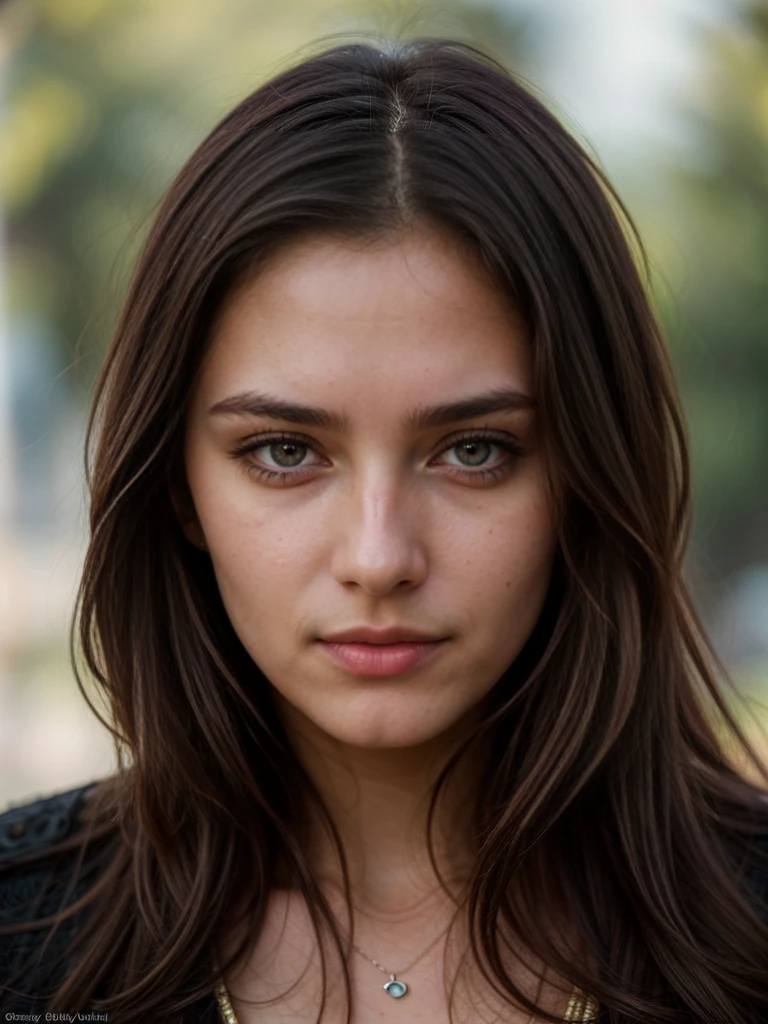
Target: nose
[{"x": 380, "y": 537}]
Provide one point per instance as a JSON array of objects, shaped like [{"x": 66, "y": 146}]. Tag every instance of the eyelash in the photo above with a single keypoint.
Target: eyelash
[{"x": 503, "y": 441}]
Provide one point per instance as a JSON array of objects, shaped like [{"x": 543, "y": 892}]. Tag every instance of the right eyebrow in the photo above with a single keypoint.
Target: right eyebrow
[{"x": 252, "y": 403}]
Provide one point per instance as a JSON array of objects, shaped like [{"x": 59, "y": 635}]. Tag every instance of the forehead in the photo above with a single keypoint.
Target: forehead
[{"x": 418, "y": 311}]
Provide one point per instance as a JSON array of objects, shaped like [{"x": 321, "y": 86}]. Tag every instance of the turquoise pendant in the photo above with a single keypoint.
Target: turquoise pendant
[{"x": 395, "y": 988}]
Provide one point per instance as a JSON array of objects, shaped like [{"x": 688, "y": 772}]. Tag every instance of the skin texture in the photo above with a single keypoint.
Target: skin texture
[{"x": 377, "y": 525}]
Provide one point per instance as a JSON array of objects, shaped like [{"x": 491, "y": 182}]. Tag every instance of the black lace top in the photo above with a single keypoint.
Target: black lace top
[
  {"x": 37, "y": 825},
  {"x": 33, "y": 827}
]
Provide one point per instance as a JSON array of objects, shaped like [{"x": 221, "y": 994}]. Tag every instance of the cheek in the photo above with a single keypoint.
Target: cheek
[
  {"x": 260, "y": 597},
  {"x": 513, "y": 552},
  {"x": 254, "y": 558},
  {"x": 254, "y": 547},
  {"x": 507, "y": 576},
  {"x": 261, "y": 568},
  {"x": 265, "y": 566}
]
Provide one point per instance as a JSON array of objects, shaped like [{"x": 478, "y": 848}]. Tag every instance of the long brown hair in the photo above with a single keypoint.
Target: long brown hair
[{"x": 609, "y": 796}]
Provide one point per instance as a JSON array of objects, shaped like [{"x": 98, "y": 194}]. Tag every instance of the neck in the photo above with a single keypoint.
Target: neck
[{"x": 378, "y": 801}]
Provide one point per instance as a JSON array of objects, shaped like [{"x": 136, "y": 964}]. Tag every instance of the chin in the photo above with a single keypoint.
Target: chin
[{"x": 383, "y": 731}]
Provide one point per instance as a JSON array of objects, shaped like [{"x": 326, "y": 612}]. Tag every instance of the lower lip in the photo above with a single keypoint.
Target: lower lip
[{"x": 381, "y": 659}]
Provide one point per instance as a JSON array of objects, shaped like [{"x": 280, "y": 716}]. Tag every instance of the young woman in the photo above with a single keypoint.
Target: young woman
[{"x": 384, "y": 592}]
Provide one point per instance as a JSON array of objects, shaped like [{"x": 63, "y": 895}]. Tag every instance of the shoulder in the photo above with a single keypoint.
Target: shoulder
[
  {"x": 28, "y": 833},
  {"x": 34, "y": 881},
  {"x": 757, "y": 871},
  {"x": 33, "y": 885},
  {"x": 31, "y": 827}
]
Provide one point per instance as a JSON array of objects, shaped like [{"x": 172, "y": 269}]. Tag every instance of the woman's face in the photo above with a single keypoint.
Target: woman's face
[{"x": 382, "y": 507}]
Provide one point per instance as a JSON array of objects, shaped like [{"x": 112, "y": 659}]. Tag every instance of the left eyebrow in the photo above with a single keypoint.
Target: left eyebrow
[{"x": 253, "y": 403}]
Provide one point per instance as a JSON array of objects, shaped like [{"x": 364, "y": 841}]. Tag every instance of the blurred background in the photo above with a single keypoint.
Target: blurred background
[{"x": 101, "y": 102}]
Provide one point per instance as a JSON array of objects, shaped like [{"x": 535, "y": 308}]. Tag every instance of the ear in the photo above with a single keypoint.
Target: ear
[{"x": 186, "y": 514}]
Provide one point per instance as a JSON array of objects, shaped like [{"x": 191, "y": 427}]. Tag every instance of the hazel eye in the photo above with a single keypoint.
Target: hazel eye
[
  {"x": 293, "y": 451},
  {"x": 286, "y": 451},
  {"x": 477, "y": 449},
  {"x": 287, "y": 454},
  {"x": 476, "y": 445}
]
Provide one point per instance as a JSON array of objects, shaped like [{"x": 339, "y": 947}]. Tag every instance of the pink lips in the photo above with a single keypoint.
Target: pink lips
[{"x": 364, "y": 659}]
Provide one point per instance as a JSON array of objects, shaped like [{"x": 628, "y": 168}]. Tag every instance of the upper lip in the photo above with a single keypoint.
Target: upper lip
[{"x": 390, "y": 635}]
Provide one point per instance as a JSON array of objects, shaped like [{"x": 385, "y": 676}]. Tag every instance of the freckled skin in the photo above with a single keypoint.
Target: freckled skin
[{"x": 377, "y": 526}]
